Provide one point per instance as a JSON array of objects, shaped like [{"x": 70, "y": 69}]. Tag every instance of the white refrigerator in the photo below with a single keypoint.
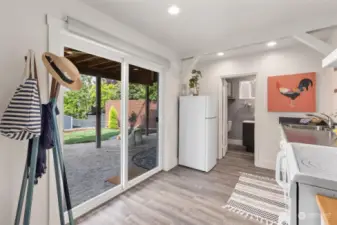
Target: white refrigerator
[{"x": 198, "y": 132}]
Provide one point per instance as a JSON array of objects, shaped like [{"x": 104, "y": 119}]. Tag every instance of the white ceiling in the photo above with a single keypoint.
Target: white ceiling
[
  {"x": 323, "y": 34},
  {"x": 207, "y": 26}
]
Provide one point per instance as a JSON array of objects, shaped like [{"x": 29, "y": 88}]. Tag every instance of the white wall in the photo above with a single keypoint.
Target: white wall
[
  {"x": 333, "y": 41},
  {"x": 292, "y": 60},
  {"x": 23, "y": 25}
]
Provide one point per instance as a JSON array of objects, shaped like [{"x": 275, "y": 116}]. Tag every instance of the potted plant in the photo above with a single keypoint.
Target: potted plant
[
  {"x": 132, "y": 120},
  {"x": 194, "y": 81}
]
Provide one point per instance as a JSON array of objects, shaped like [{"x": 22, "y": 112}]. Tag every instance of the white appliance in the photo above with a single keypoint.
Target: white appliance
[
  {"x": 198, "y": 132},
  {"x": 304, "y": 171}
]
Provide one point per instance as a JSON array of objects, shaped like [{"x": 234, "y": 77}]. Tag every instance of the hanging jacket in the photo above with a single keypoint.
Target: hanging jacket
[{"x": 46, "y": 140}]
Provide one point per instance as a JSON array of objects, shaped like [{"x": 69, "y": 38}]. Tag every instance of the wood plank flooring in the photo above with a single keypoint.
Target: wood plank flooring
[{"x": 181, "y": 196}]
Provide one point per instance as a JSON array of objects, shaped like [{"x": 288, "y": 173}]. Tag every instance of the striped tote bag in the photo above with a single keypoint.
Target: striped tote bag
[{"x": 22, "y": 118}]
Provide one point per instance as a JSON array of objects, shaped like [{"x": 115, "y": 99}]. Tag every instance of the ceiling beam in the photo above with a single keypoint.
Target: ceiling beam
[
  {"x": 87, "y": 59},
  {"x": 100, "y": 62},
  {"x": 111, "y": 66},
  {"x": 140, "y": 77},
  {"x": 314, "y": 43},
  {"x": 74, "y": 55}
]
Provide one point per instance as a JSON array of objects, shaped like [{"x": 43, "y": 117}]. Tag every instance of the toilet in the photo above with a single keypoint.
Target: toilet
[{"x": 229, "y": 125}]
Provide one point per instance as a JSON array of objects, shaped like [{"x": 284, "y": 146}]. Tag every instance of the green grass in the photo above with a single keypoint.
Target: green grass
[{"x": 86, "y": 136}]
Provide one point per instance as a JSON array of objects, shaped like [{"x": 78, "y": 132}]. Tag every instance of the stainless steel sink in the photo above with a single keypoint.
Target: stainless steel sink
[{"x": 308, "y": 127}]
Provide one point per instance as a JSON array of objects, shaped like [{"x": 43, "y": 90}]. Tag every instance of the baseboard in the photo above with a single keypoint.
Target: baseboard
[
  {"x": 170, "y": 165},
  {"x": 234, "y": 141},
  {"x": 265, "y": 164}
]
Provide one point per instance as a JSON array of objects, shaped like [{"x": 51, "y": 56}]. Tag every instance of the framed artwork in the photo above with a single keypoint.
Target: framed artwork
[{"x": 292, "y": 93}]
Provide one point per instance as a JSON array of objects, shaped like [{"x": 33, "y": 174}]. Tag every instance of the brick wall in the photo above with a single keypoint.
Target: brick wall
[{"x": 137, "y": 106}]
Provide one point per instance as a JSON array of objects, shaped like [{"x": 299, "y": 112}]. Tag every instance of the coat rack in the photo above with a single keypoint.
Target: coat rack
[{"x": 56, "y": 66}]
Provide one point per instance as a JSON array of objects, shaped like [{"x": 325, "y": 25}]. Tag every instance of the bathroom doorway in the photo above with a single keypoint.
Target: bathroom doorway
[{"x": 237, "y": 113}]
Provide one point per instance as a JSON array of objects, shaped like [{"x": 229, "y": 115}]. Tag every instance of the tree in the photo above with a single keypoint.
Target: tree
[
  {"x": 153, "y": 90},
  {"x": 109, "y": 91},
  {"x": 136, "y": 91},
  {"x": 113, "y": 118},
  {"x": 78, "y": 103}
]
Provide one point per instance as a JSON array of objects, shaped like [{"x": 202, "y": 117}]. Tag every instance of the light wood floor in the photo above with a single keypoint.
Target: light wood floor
[{"x": 181, "y": 196}]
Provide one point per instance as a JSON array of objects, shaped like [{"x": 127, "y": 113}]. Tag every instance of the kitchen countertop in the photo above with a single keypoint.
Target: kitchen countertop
[{"x": 313, "y": 137}]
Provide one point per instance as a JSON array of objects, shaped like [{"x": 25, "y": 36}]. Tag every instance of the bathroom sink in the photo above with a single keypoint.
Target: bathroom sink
[{"x": 308, "y": 127}]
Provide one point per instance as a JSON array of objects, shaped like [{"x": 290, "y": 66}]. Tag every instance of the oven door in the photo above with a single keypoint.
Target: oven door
[
  {"x": 283, "y": 179},
  {"x": 281, "y": 172}
]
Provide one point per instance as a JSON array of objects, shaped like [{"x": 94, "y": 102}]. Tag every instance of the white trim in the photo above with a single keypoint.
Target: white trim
[
  {"x": 86, "y": 45},
  {"x": 161, "y": 116},
  {"x": 54, "y": 45},
  {"x": 227, "y": 76},
  {"x": 142, "y": 177},
  {"x": 125, "y": 124},
  {"x": 221, "y": 121},
  {"x": 92, "y": 203},
  {"x": 235, "y": 141},
  {"x": 143, "y": 63},
  {"x": 230, "y": 141}
]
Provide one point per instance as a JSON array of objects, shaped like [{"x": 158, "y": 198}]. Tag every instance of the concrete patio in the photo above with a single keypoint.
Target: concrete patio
[{"x": 88, "y": 168}]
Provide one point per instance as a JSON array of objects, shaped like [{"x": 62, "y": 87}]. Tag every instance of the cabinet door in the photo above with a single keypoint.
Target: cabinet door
[
  {"x": 309, "y": 213},
  {"x": 248, "y": 136}
]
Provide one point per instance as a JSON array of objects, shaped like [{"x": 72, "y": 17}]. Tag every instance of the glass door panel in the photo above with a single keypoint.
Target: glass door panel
[
  {"x": 92, "y": 148},
  {"x": 142, "y": 121}
]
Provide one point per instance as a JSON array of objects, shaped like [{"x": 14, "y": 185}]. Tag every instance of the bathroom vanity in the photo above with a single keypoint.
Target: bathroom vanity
[{"x": 248, "y": 134}]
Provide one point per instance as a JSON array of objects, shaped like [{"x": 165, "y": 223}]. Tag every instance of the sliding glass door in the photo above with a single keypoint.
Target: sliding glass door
[
  {"x": 111, "y": 127},
  {"x": 142, "y": 121},
  {"x": 91, "y": 121}
]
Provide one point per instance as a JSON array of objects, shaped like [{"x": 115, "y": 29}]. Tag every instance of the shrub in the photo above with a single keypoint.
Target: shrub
[{"x": 113, "y": 118}]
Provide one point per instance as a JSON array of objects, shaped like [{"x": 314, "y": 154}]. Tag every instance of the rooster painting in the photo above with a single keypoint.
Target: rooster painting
[{"x": 293, "y": 93}]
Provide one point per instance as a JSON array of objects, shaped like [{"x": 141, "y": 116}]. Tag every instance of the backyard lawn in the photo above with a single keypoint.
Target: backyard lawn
[{"x": 85, "y": 136}]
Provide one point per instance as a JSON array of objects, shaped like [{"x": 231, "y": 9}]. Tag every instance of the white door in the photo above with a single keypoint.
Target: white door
[
  {"x": 225, "y": 116},
  {"x": 223, "y": 119}
]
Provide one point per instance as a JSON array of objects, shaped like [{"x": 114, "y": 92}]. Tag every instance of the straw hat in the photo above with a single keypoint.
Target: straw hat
[{"x": 62, "y": 70}]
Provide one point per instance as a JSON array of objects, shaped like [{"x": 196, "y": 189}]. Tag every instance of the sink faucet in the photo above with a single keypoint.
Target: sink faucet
[{"x": 326, "y": 118}]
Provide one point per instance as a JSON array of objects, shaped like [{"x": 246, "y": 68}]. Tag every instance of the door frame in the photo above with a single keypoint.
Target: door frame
[
  {"x": 58, "y": 38},
  {"x": 223, "y": 114}
]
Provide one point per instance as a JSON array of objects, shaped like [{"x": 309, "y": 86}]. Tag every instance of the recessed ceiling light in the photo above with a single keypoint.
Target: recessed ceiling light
[
  {"x": 173, "y": 10},
  {"x": 271, "y": 43},
  {"x": 220, "y": 54}
]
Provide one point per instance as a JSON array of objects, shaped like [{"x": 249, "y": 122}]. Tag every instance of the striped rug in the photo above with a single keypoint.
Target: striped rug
[{"x": 257, "y": 198}]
